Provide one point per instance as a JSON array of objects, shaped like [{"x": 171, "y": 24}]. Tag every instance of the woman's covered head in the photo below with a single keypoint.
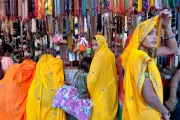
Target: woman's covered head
[
  {"x": 85, "y": 63},
  {"x": 146, "y": 35},
  {"x": 97, "y": 42}
]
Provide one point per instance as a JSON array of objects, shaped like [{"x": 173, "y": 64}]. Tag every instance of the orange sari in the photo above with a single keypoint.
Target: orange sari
[{"x": 14, "y": 89}]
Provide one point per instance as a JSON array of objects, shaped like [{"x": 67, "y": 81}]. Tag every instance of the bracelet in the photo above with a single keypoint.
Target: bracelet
[
  {"x": 167, "y": 28},
  {"x": 174, "y": 100},
  {"x": 167, "y": 117},
  {"x": 171, "y": 37},
  {"x": 175, "y": 87}
]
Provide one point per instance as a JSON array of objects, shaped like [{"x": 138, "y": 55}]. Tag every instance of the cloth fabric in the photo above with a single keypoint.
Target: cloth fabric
[
  {"x": 121, "y": 77},
  {"x": 49, "y": 76},
  {"x": 102, "y": 84},
  {"x": 6, "y": 63},
  {"x": 135, "y": 62},
  {"x": 14, "y": 89},
  {"x": 67, "y": 99},
  {"x": 80, "y": 83}
]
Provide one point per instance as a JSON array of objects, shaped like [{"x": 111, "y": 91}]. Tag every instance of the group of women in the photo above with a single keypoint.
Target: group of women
[{"x": 28, "y": 89}]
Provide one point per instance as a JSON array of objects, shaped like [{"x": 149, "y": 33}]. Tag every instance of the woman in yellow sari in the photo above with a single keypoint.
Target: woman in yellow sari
[
  {"x": 142, "y": 82},
  {"x": 101, "y": 81},
  {"x": 49, "y": 76}
]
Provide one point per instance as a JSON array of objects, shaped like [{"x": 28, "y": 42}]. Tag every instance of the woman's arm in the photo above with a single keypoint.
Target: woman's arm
[
  {"x": 151, "y": 99},
  {"x": 171, "y": 44},
  {"x": 174, "y": 84},
  {"x": 171, "y": 103}
]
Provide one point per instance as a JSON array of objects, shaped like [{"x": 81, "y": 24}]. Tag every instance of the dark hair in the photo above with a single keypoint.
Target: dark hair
[
  {"x": 85, "y": 63},
  {"x": 8, "y": 48},
  {"x": 178, "y": 67}
]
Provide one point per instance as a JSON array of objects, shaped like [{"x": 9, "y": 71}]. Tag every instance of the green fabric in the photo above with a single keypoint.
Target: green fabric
[
  {"x": 166, "y": 3},
  {"x": 102, "y": 4},
  {"x": 90, "y": 7},
  {"x": 126, "y": 5},
  {"x": 173, "y": 3},
  {"x": 80, "y": 83},
  {"x": 120, "y": 110}
]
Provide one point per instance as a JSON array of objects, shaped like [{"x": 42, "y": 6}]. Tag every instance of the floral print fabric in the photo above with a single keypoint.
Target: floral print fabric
[{"x": 67, "y": 99}]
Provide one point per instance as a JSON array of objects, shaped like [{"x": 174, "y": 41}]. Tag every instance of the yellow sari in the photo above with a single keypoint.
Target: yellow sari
[
  {"x": 49, "y": 76},
  {"x": 135, "y": 62},
  {"x": 101, "y": 82}
]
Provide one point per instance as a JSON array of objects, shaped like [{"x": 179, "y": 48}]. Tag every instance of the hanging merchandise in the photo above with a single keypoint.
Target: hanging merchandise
[
  {"x": 102, "y": 6},
  {"x": 110, "y": 5},
  {"x": 85, "y": 25},
  {"x": 126, "y": 2},
  {"x": 67, "y": 24},
  {"x": 76, "y": 30},
  {"x": 99, "y": 23},
  {"x": 152, "y": 2},
  {"x": 94, "y": 7},
  {"x": 139, "y": 6},
  {"x": 130, "y": 6},
  {"x": 83, "y": 7},
  {"x": 166, "y": 3},
  {"x": 75, "y": 7},
  {"x": 106, "y": 5},
  {"x": 48, "y": 7},
  {"x": 146, "y": 5},
  {"x": 159, "y": 4},
  {"x": 98, "y": 6},
  {"x": 116, "y": 7},
  {"x": 122, "y": 11},
  {"x": 82, "y": 46},
  {"x": 41, "y": 8},
  {"x": 173, "y": 3}
]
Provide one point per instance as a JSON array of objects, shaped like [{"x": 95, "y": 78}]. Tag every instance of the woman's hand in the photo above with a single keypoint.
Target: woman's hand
[
  {"x": 170, "y": 105},
  {"x": 166, "y": 18},
  {"x": 166, "y": 116}
]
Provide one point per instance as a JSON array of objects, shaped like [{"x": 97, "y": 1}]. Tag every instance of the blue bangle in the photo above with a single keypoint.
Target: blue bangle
[{"x": 171, "y": 37}]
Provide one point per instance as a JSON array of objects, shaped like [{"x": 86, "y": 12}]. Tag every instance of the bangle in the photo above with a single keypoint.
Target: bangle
[
  {"x": 167, "y": 117},
  {"x": 168, "y": 28},
  {"x": 174, "y": 100},
  {"x": 175, "y": 87},
  {"x": 171, "y": 37}
]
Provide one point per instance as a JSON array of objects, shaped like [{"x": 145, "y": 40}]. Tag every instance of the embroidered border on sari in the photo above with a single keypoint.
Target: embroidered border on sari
[
  {"x": 155, "y": 83},
  {"x": 144, "y": 34},
  {"x": 141, "y": 74}
]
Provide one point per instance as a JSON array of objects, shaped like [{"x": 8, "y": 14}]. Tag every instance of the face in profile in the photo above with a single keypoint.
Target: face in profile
[{"x": 150, "y": 40}]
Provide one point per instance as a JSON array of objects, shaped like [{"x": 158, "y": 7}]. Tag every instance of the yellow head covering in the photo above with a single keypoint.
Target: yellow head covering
[
  {"x": 49, "y": 76},
  {"x": 101, "y": 82},
  {"x": 135, "y": 62}
]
